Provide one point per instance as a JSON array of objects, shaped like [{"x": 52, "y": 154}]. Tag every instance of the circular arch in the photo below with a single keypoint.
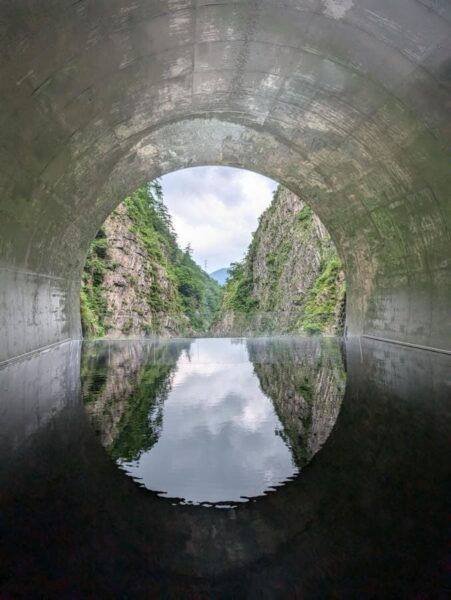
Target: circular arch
[{"x": 344, "y": 102}]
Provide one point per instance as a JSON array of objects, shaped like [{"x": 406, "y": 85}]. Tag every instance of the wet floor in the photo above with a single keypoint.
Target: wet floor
[{"x": 354, "y": 504}]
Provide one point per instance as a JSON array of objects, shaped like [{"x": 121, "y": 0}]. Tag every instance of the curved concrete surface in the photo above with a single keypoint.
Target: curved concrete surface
[{"x": 347, "y": 102}]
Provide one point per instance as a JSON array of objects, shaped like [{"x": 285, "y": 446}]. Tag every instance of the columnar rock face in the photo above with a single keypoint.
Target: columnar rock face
[
  {"x": 127, "y": 282},
  {"x": 291, "y": 280},
  {"x": 137, "y": 281},
  {"x": 345, "y": 103},
  {"x": 306, "y": 390}
]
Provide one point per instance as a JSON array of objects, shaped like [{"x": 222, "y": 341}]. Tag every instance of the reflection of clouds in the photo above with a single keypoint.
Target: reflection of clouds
[
  {"x": 209, "y": 357},
  {"x": 218, "y": 440}
]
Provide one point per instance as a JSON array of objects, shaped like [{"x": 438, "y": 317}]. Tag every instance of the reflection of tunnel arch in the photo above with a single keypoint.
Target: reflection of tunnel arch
[
  {"x": 350, "y": 525},
  {"x": 345, "y": 102}
]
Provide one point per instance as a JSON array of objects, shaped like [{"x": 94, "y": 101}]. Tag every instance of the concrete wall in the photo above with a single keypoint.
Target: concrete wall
[{"x": 346, "y": 102}]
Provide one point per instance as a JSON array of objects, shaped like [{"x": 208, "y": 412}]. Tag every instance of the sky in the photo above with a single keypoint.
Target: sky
[
  {"x": 219, "y": 438},
  {"x": 216, "y": 210}
]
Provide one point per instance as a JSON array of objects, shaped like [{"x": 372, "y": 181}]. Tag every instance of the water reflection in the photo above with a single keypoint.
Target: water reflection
[
  {"x": 124, "y": 387},
  {"x": 367, "y": 518},
  {"x": 305, "y": 379},
  {"x": 213, "y": 421}
]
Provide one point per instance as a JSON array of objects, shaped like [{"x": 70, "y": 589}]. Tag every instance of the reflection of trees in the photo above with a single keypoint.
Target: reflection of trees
[
  {"x": 124, "y": 389},
  {"x": 125, "y": 386},
  {"x": 305, "y": 379}
]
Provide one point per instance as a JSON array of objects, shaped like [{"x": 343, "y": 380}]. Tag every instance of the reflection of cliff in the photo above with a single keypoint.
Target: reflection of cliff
[
  {"x": 305, "y": 379},
  {"x": 379, "y": 486},
  {"x": 124, "y": 388}
]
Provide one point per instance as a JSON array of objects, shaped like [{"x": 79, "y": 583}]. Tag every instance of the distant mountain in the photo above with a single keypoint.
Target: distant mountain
[{"x": 220, "y": 275}]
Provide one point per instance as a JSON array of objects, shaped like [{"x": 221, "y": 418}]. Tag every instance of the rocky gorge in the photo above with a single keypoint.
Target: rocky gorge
[
  {"x": 138, "y": 282},
  {"x": 291, "y": 280}
]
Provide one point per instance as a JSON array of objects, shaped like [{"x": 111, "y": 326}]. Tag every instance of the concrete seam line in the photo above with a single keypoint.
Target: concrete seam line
[
  {"x": 32, "y": 273},
  {"x": 410, "y": 345},
  {"x": 8, "y": 361}
]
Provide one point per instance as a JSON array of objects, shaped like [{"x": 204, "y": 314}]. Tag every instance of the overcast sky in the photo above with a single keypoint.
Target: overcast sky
[{"x": 216, "y": 209}]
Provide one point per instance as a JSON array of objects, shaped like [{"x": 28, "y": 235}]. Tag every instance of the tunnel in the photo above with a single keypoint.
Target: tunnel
[{"x": 345, "y": 102}]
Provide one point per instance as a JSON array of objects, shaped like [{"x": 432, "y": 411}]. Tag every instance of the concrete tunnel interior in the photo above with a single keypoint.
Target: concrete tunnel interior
[{"x": 345, "y": 102}]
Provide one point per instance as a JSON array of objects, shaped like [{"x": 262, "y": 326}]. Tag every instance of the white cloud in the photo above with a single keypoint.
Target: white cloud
[
  {"x": 216, "y": 209},
  {"x": 218, "y": 439}
]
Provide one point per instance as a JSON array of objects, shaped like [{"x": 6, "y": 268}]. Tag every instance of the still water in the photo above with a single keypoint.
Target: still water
[
  {"x": 362, "y": 512},
  {"x": 213, "y": 421}
]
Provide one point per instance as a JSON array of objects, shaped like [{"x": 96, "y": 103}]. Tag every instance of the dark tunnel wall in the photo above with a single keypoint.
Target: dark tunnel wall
[{"x": 346, "y": 102}]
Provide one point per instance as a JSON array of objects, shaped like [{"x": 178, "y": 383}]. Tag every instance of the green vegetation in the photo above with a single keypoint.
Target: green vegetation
[
  {"x": 177, "y": 285},
  {"x": 140, "y": 425},
  {"x": 260, "y": 294},
  {"x": 304, "y": 217},
  {"x": 323, "y": 298},
  {"x": 93, "y": 304},
  {"x": 237, "y": 295}
]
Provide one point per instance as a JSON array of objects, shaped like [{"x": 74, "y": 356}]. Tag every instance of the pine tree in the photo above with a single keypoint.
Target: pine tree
[{"x": 155, "y": 190}]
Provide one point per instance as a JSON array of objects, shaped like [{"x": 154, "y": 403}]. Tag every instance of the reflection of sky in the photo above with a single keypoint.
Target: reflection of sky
[{"x": 218, "y": 439}]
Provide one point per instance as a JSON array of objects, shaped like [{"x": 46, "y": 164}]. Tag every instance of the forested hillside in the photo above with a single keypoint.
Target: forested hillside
[
  {"x": 137, "y": 281},
  {"x": 291, "y": 280}
]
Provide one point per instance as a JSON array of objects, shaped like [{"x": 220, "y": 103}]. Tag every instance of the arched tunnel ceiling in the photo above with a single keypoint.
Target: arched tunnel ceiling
[{"x": 347, "y": 102}]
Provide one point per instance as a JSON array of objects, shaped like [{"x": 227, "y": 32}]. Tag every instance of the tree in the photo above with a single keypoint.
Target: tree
[{"x": 156, "y": 200}]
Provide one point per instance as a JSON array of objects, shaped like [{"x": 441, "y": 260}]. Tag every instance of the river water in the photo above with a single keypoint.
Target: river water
[
  {"x": 237, "y": 468},
  {"x": 207, "y": 426}
]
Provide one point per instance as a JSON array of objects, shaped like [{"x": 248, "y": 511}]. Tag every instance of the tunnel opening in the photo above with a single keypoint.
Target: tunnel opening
[
  {"x": 346, "y": 104},
  {"x": 204, "y": 372},
  {"x": 396, "y": 273},
  {"x": 280, "y": 270}
]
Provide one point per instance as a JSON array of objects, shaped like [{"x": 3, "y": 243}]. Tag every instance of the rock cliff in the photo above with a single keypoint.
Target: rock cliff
[
  {"x": 138, "y": 282},
  {"x": 291, "y": 280}
]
